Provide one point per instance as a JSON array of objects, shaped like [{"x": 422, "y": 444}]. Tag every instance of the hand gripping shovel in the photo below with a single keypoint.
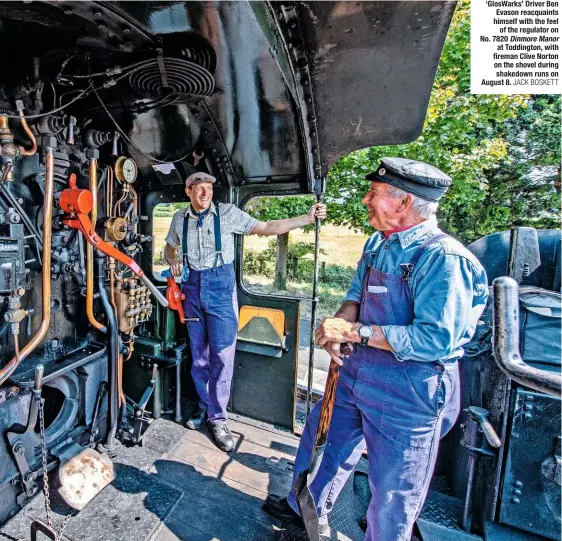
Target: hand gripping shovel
[{"x": 305, "y": 501}]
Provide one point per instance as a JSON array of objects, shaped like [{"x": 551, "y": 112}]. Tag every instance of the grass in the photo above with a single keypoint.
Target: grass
[
  {"x": 329, "y": 297},
  {"x": 342, "y": 246}
]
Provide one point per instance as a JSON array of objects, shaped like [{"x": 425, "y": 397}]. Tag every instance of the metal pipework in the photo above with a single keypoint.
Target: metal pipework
[
  {"x": 505, "y": 342},
  {"x": 8, "y": 150},
  {"x": 49, "y": 143},
  {"x": 113, "y": 355},
  {"x": 92, "y": 155},
  {"x": 22, "y": 150}
]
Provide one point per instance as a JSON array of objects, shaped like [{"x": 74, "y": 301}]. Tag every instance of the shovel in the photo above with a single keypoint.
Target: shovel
[{"x": 305, "y": 501}]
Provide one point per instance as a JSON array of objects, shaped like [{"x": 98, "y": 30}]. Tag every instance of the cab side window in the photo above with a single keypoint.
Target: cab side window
[{"x": 161, "y": 221}]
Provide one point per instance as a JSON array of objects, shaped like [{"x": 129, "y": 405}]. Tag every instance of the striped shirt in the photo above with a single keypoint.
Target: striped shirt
[{"x": 201, "y": 251}]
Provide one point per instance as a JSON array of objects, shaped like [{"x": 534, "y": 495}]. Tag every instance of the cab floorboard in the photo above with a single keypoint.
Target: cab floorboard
[{"x": 179, "y": 487}]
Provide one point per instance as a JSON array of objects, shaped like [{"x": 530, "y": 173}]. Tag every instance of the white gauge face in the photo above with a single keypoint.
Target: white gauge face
[{"x": 129, "y": 170}]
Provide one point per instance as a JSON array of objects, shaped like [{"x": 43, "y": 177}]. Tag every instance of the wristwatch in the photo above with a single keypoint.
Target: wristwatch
[{"x": 365, "y": 333}]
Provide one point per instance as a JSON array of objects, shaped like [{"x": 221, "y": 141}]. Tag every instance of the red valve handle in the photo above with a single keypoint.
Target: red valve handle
[
  {"x": 77, "y": 203},
  {"x": 175, "y": 297}
]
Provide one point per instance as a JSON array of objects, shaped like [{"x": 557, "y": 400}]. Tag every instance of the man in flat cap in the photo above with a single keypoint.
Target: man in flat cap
[
  {"x": 414, "y": 302},
  {"x": 205, "y": 232}
]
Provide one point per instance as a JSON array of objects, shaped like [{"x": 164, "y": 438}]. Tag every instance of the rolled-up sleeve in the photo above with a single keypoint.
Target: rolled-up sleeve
[
  {"x": 450, "y": 294},
  {"x": 240, "y": 222},
  {"x": 354, "y": 292}
]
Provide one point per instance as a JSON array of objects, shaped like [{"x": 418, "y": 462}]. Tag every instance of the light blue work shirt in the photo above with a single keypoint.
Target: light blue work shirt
[{"x": 449, "y": 288}]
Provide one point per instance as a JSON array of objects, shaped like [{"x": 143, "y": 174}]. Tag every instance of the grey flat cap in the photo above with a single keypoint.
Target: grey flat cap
[
  {"x": 414, "y": 177},
  {"x": 195, "y": 178}
]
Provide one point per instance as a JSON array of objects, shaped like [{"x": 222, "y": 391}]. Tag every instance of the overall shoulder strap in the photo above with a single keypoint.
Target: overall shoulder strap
[
  {"x": 185, "y": 259},
  {"x": 407, "y": 268},
  {"x": 218, "y": 238}
]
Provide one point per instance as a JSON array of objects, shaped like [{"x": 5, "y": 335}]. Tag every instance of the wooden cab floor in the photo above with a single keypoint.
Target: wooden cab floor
[{"x": 179, "y": 486}]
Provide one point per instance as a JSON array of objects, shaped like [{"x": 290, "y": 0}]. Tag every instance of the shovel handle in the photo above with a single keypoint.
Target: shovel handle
[{"x": 327, "y": 405}]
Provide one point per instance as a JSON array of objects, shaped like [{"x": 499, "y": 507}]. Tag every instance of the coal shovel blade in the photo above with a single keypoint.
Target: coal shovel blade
[{"x": 84, "y": 476}]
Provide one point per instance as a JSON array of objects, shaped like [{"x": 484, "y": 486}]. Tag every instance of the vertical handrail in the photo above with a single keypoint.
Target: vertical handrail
[{"x": 313, "y": 311}]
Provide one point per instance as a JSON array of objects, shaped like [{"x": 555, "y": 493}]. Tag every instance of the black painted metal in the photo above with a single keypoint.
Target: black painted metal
[{"x": 531, "y": 488}]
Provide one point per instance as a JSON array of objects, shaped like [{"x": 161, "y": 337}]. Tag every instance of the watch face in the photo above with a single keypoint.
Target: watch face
[
  {"x": 365, "y": 331},
  {"x": 129, "y": 170}
]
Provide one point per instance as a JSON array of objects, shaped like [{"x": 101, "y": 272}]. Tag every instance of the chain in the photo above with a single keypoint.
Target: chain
[
  {"x": 45, "y": 475},
  {"x": 64, "y": 524},
  {"x": 44, "y": 460}
]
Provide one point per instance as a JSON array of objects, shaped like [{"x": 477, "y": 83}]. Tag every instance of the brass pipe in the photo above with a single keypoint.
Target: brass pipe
[
  {"x": 109, "y": 192},
  {"x": 135, "y": 205},
  {"x": 9, "y": 369},
  {"x": 93, "y": 170},
  {"x": 33, "y": 149},
  {"x": 114, "y": 305}
]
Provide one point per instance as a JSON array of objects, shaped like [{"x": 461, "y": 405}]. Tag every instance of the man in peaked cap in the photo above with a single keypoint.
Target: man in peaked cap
[
  {"x": 204, "y": 232},
  {"x": 414, "y": 301}
]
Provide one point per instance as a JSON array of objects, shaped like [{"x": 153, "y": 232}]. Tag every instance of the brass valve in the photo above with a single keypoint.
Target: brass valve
[{"x": 15, "y": 313}]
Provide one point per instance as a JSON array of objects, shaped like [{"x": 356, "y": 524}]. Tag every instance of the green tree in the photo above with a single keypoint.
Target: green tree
[
  {"x": 467, "y": 136},
  {"x": 277, "y": 208}
]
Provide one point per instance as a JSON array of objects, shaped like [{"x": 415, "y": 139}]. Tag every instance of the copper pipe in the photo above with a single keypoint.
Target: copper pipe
[
  {"x": 9, "y": 369},
  {"x": 116, "y": 209},
  {"x": 90, "y": 251},
  {"x": 109, "y": 192},
  {"x": 135, "y": 205},
  {"x": 33, "y": 149},
  {"x": 114, "y": 305}
]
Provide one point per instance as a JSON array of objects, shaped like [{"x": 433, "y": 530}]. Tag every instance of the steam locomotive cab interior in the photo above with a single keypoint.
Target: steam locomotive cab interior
[{"x": 105, "y": 109}]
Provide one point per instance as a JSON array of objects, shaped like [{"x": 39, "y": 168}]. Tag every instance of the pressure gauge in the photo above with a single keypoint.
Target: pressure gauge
[{"x": 126, "y": 170}]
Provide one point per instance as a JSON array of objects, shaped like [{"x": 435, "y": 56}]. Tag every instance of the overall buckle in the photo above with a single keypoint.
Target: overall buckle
[{"x": 407, "y": 269}]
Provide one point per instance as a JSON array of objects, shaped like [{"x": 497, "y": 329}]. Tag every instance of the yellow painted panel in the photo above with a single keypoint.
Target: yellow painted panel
[{"x": 275, "y": 317}]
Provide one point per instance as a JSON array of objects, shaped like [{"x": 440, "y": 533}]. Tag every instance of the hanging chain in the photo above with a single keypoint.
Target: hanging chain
[
  {"x": 46, "y": 492},
  {"x": 44, "y": 460}
]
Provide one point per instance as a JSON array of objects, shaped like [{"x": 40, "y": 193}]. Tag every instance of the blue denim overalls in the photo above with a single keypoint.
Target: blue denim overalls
[
  {"x": 397, "y": 409},
  {"x": 210, "y": 295}
]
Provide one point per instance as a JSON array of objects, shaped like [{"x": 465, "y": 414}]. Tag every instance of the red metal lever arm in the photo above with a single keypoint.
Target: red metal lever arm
[
  {"x": 175, "y": 297},
  {"x": 78, "y": 203},
  {"x": 82, "y": 223}
]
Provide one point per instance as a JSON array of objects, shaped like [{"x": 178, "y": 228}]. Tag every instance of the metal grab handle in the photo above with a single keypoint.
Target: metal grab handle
[
  {"x": 38, "y": 382},
  {"x": 155, "y": 291},
  {"x": 505, "y": 342},
  {"x": 481, "y": 416}
]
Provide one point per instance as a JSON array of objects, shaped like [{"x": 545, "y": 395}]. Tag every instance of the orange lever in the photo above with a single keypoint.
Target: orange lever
[
  {"x": 77, "y": 203},
  {"x": 175, "y": 297}
]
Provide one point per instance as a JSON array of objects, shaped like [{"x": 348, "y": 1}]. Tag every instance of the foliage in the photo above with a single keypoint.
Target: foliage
[
  {"x": 487, "y": 143},
  {"x": 300, "y": 265},
  {"x": 279, "y": 208},
  {"x": 165, "y": 210},
  {"x": 525, "y": 188}
]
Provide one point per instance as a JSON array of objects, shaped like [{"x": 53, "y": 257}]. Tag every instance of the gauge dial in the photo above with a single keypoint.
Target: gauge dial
[{"x": 126, "y": 170}]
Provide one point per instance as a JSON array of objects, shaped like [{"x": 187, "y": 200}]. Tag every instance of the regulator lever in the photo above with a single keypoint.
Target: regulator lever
[{"x": 77, "y": 204}]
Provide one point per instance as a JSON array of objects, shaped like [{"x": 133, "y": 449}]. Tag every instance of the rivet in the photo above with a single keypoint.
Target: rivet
[
  {"x": 515, "y": 500},
  {"x": 518, "y": 484}
]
